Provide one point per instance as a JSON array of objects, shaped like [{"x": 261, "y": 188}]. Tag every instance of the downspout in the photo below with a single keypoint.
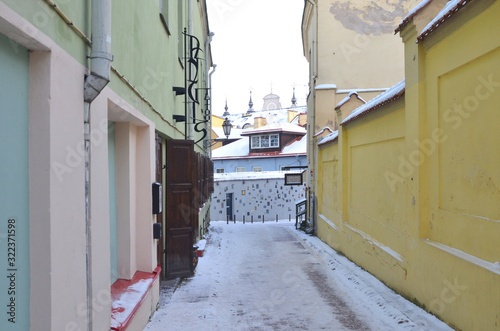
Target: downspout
[
  {"x": 100, "y": 65},
  {"x": 209, "y": 87},
  {"x": 214, "y": 67},
  {"x": 191, "y": 105},
  {"x": 312, "y": 119}
]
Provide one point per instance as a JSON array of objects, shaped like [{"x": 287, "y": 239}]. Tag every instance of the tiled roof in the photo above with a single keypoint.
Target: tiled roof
[
  {"x": 451, "y": 8},
  {"x": 390, "y": 95},
  {"x": 322, "y": 131},
  {"x": 331, "y": 137},
  {"x": 411, "y": 14}
]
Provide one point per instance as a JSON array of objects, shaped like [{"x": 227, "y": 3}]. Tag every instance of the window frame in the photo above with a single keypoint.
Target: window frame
[
  {"x": 268, "y": 137},
  {"x": 256, "y": 169},
  {"x": 217, "y": 170}
]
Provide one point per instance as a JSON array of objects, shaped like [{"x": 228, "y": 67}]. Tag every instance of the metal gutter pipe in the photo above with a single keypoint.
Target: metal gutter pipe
[
  {"x": 95, "y": 82},
  {"x": 191, "y": 105},
  {"x": 214, "y": 67},
  {"x": 100, "y": 55}
]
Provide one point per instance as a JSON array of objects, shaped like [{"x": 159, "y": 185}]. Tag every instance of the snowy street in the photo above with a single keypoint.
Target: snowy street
[{"x": 273, "y": 277}]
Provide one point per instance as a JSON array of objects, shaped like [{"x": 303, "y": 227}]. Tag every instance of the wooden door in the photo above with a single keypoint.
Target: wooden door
[
  {"x": 160, "y": 250},
  {"x": 180, "y": 210}
]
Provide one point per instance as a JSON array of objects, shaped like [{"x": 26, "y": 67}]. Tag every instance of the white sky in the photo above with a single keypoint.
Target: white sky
[{"x": 256, "y": 43}]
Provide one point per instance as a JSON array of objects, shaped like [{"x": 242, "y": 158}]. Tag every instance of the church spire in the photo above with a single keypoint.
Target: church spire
[
  {"x": 294, "y": 99},
  {"x": 250, "y": 104},
  {"x": 226, "y": 113}
]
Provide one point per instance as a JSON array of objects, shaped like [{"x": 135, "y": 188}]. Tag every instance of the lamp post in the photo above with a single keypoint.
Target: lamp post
[{"x": 226, "y": 126}]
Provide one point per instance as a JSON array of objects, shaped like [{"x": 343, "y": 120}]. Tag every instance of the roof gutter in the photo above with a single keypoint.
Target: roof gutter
[{"x": 100, "y": 55}]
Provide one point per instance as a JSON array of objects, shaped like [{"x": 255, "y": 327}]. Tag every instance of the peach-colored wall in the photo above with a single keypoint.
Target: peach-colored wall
[{"x": 58, "y": 291}]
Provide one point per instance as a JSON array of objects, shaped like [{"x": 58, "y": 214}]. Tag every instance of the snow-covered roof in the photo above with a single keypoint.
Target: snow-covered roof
[
  {"x": 331, "y": 137},
  {"x": 235, "y": 133},
  {"x": 276, "y": 127},
  {"x": 411, "y": 14},
  {"x": 272, "y": 116},
  {"x": 325, "y": 87},
  {"x": 390, "y": 95},
  {"x": 252, "y": 175},
  {"x": 347, "y": 98},
  {"x": 298, "y": 146},
  {"x": 237, "y": 148},
  {"x": 322, "y": 131},
  {"x": 363, "y": 90},
  {"x": 452, "y": 7},
  {"x": 240, "y": 149}
]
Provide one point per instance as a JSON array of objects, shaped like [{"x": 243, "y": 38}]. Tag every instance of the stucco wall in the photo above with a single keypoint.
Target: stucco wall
[
  {"x": 415, "y": 193},
  {"x": 267, "y": 164},
  {"x": 258, "y": 198}
]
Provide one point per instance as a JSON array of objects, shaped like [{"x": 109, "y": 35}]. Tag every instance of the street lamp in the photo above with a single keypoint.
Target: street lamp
[{"x": 226, "y": 126}]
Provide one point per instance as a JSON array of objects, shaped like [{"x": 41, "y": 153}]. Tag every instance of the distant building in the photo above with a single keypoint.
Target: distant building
[
  {"x": 259, "y": 197},
  {"x": 268, "y": 148}
]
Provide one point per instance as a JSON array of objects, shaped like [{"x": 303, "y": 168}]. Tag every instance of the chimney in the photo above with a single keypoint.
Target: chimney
[
  {"x": 302, "y": 119},
  {"x": 259, "y": 122}
]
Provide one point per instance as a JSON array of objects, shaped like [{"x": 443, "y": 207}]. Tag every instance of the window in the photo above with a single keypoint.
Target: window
[
  {"x": 257, "y": 169},
  {"x": 266, "y": 141},
  {"x": 164, "y": 10},
  {"x": 219, "y": 170},
  {"x": 240, "y": 169}
]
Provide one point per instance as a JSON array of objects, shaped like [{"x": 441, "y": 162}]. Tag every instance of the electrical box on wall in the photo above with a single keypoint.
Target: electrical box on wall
[
  {"x": 157, "y": 198},
  {"x": 157, "y": 231}
]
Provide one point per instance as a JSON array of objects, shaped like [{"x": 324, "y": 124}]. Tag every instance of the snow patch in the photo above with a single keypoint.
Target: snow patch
[{"x": 377, "y": 101}]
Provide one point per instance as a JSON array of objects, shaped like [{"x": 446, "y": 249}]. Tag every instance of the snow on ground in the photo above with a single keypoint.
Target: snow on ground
[{"x": 273, "y": 277}]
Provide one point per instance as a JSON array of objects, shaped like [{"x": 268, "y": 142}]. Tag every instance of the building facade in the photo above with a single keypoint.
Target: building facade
[
  {"x": 350, "y": 46},
  {"x": 254, "y": 197},
  {"x": 93, "y": 107},
  {"x": 408, "y": 187},
  {"x": 268, "y": 148}
]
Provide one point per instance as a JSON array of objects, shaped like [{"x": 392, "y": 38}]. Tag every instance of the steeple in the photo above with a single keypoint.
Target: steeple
[
  {"x": 294, "y": 99},
  {"x": 226, "y": 113},
  {"x": 250, "y": 104}
]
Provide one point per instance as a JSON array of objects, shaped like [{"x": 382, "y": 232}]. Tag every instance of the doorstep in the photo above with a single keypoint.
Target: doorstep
[{"x": 127, "y": 296}]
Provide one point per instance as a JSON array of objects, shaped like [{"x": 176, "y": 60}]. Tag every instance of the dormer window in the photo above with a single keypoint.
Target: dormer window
[{"x": 266, "y": 141}]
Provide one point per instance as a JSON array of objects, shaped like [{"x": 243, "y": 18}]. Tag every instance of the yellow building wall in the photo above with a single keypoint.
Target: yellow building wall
[{"x": 411, "y": 191}]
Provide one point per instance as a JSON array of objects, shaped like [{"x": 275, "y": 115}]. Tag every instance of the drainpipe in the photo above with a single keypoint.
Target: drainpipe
[
  {"x": 311, "y": 123},
  {"x": 191, "y": 105},
  {"x": 100, "y": 65},
  {"x": 100, "y": 55},
  {"x": 209, "y": 86},
  {"x": 214, "y": 67}
]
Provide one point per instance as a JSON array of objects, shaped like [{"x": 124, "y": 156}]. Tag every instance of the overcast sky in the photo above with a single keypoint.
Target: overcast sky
[{"x": 257, "y": 44}]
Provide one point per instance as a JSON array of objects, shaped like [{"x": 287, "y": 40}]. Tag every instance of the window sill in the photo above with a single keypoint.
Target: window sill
[{"x": 127, "y": 297}]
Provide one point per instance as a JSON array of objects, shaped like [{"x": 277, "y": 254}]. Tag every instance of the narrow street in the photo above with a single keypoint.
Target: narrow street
[{"x": 272, "y": 277}]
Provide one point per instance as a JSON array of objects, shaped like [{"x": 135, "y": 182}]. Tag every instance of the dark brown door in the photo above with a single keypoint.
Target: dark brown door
[
  {"x": 180, "y": 209},
  {"x": 159, "y": 218}
]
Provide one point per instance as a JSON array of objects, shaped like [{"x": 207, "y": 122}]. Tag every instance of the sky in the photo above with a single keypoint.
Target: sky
[{"x": 257, "y": 46}]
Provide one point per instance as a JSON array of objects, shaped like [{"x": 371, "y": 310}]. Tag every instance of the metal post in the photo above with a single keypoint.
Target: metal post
[
  {"x": 243, "y": 219},
  {"x": 234, "y": 219}
]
